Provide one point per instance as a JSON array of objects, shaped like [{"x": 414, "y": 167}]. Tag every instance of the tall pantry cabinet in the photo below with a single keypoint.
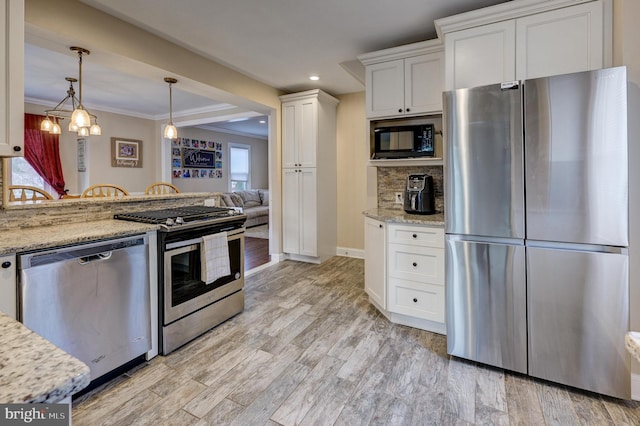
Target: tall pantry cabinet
[
  {"x": 12, "y": 78},
  {"x": 309, "y": 183}
]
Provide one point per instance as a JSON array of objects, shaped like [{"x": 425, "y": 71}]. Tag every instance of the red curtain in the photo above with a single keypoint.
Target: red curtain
[{"x": 42, "y": 151}]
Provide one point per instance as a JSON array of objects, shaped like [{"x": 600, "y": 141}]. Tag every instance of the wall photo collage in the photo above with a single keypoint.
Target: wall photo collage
[{"x": 196, "y": 159}]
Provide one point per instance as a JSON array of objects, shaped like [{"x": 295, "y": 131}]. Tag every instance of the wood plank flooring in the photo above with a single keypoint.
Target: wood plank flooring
[
  {"x": 256, "y": 252},
  {"x": 310, "y": 349}
]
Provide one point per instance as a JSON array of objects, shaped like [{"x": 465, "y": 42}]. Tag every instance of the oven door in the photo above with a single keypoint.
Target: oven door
[{"x": 184, "y": 291}]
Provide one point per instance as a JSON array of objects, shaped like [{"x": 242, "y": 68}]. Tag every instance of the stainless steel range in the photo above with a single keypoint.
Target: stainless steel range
[{"x": 188, "y": 306}]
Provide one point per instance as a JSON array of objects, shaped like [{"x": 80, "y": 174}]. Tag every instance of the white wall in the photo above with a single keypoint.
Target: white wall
[{"x": 259, "y": 161}]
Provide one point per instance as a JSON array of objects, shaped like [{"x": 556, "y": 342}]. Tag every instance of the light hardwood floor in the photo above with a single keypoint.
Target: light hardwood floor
[{"x": 310, "y": 349}]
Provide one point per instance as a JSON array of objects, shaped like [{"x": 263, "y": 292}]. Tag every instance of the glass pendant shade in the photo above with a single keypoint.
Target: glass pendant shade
[
  {"x": 56, "y": 129},
  {"x": 73, "y": 127},
  {"x": 170, "y": 132},
  {"x": 46, "y": 125},
  {"x": 83, "y": 131},
  {"x": 80, "y": 117},
  {"x": 95, "y": 130}
]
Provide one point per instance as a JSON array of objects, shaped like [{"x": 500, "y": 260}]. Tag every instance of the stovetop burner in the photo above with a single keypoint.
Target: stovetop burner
[{"x": 180, "y": 215}]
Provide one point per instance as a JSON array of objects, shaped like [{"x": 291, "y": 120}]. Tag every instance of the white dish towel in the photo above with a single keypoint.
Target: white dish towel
[{"x": 214, "y": 257}]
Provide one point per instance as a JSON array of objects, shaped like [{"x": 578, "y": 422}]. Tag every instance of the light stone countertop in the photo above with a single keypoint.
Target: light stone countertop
[
  {"x": 632, "y": 342},
  {"x": 33, "y": 370},
  {"x": 400, "y": 216},
  {"x": 42, "y": 237}
]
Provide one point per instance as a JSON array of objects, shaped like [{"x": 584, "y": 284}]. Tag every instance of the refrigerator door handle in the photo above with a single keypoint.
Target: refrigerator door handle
[
  {"x": 483, "y": 239},
  {"x": 578, "y": 247}
]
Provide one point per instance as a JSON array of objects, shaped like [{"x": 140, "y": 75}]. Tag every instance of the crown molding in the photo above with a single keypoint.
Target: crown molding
[
  {"x": 401, "y": 52},
  {"x": 317, "y": 93},
  {"x": 500, "y": 12}
]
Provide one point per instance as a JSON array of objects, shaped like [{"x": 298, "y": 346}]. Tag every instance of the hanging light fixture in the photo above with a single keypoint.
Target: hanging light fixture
[
  {"x": 170, "y": 132},
  {"x": 80, "y": 120}
]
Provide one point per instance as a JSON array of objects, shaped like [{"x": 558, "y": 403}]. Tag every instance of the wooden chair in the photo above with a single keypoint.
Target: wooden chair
[
  {"x": 102, "y": 190},
  {"x": 28, "y": 193},
  {"x": 161, "y": 188}
]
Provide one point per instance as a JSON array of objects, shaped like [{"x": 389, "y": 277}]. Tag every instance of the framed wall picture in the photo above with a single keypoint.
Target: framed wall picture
[{"x": 126, "y": 152}]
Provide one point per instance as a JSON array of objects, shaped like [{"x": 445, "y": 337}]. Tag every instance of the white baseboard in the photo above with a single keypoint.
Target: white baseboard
[{"x": 350, "y": 252}]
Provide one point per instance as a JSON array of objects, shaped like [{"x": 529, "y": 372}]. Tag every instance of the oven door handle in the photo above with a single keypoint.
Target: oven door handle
[{"x": 178, "y": 244}]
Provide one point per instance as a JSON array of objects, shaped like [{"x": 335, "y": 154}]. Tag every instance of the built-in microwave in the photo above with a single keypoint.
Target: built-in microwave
[{"x": 408, "y": 141}]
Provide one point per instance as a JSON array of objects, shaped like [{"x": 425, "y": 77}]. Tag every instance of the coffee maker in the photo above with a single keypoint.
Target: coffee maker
[{"x": 419, "y": 197}]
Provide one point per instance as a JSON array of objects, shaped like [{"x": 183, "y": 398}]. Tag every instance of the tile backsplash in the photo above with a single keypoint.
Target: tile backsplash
[{"x": 394, "y": 179}]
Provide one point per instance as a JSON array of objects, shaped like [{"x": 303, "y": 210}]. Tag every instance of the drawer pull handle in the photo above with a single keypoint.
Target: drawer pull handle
[
  {"x": 415, "y": 235},
  {"x": 415, "y": 300},
  {"x": 415, "y": 264}
]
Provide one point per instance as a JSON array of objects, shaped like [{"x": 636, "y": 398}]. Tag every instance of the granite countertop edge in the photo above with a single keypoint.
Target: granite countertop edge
[
  {"x": 632, "y": 343},
  {"x": 400, "y": 216},
  {"x": 44, "y": 237},
  {"x": 34, "y": 370}
]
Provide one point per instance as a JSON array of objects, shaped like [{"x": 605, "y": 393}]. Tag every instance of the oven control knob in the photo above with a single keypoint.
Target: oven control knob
[
  {"x": 179, "y": 220},
  {"x": 169, "y": 222}
]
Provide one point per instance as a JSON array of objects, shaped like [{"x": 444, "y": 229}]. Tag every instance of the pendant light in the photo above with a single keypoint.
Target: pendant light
[
  {"x": 80, "y": 119},
  {"x": 170, "y": 132}
]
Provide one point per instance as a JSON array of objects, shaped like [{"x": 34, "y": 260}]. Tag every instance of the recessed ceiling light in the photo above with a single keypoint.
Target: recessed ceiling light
[
  {"x": 314, "y": 78},
  {"x": 263, "y": 121}
]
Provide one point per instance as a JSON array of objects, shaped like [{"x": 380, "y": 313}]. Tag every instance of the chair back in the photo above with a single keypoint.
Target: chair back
[
  {"x": 161, "y": 188},
  {"x": 28, "y": 193},
  {"x": 102, "y": 190}
]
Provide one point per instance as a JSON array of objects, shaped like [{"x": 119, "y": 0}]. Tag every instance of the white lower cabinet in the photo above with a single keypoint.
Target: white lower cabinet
[
  {"x": 8, "y": 285},
  {"x": 413, "y": 281}
]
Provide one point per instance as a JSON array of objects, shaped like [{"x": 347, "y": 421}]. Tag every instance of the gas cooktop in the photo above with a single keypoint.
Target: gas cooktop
[{"x": 181, "y": 215}]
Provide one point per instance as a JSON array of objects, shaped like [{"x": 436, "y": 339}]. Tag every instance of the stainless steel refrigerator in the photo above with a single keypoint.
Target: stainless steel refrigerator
[{"x": 536, "y": 213}]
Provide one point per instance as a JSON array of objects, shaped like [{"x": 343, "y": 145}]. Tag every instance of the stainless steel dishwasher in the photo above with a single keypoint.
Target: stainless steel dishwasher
[{"x": 91, "y": 300}]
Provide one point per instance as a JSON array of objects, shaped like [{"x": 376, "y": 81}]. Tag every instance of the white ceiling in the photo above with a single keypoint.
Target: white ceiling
[{"x": 278, "y": 42}]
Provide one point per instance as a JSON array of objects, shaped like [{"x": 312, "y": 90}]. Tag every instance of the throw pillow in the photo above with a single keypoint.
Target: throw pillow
[
  {"x": 226, "y": 200},
  {"x": 236, "y": 200},
  {"x": 264, "y": 196},
  {"x": 250, "y": 198}
]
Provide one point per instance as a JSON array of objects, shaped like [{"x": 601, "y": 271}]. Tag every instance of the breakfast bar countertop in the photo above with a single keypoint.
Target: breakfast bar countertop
[
  {"x": 42, "y": 237},
  {"x": 400, "y": 216},
  {"x": 34, "y": 370}
]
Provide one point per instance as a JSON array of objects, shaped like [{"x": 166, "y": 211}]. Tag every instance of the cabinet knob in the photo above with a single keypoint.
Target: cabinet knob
[
  {"x": 414, "y": 264},
  {"x": 415, "y": 300},
  {"x": 408, "y": 109},
  {"x": 6, "y": 265},
  {"x": 399, "y": 109},
  {"x": 17, "y": 148},
  {"x": 415, "y": 235},
  {"x": 380, "y": 226}
]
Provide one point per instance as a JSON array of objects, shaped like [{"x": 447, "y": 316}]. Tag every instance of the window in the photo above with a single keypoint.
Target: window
[
  {"x": 239, "y": 170},
  {"x": 23, "y": 174}
]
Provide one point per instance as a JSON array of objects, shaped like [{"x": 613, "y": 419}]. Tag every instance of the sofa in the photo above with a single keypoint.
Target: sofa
[{"x": 254, "y": 202}]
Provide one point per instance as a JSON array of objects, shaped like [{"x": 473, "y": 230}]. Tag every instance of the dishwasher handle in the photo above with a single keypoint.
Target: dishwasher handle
[
  {"x": 95, "y": 257},
  {"x": 85, "y": 253}
]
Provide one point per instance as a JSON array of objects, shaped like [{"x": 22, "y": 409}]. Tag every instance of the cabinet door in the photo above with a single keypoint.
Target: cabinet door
[
  {"x": 8, "y": 285},
  {"x": 12, "y": 78},
  {"x": 308, "y": 212},
  {"x": 424, "y": 82},
  {"x": 290, "y": 211},
  {"x": 480, "y": 56},
  {"x": 307, "y": 132},
  {"x": 375, "y": 261},
  {"x": 385, "y": 88},
  {"x": 560, "y": 41},
  {"x": 289, "y": 148}
]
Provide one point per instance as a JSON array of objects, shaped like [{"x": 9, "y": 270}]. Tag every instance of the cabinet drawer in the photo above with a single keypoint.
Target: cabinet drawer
[
  {"x": 421, "y": 264},
  {"x": 417, "y": 235},
  {"x": 417, "y": 300}
]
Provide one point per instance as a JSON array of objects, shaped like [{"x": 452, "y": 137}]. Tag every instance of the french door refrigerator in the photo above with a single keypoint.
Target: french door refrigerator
[{"x": 536, "y": 221}]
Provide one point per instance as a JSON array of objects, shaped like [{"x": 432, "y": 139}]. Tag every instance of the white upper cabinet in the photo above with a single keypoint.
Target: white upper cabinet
[
  {"x": 561, "y": 41},
  {"x": 405, "y": 80},
  {"x": 299, "y": 133},
  {"x": 526, "y": 39},
  {"x": 481, "y": 55},
  {"x": 12, "y": 78}
]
